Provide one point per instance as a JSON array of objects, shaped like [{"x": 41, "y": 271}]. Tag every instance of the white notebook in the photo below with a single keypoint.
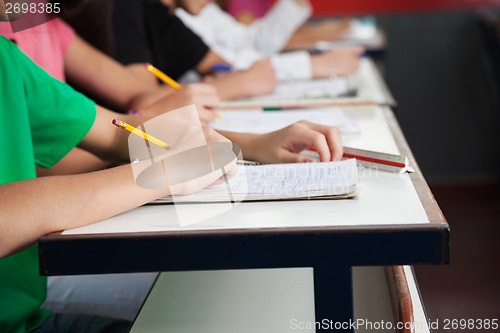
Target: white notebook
[{"x": 291, "y": 181}]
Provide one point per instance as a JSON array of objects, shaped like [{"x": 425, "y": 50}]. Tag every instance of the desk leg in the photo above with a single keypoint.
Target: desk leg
[{"x": 333, "y": 297}]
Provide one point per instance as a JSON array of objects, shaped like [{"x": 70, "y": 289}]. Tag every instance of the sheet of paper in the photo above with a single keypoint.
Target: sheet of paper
[
  {"x": 322, "y": 88},
  {"x": 280, "y": 182},
  {"x": 263, "y": 122},
  {"x": 367, "y": 82}
]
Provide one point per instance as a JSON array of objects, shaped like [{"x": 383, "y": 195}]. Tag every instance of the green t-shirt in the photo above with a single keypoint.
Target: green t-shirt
[{"x": 42, "y": 119}]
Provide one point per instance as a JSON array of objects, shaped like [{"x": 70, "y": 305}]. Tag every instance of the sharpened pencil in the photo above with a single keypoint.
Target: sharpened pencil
[
  {"x": 138, "y": 132},
  {"x": 167, "y": 79}
]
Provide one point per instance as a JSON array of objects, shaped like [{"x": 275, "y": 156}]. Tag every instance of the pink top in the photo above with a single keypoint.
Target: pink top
[
  {"x": 45, "y": 44},
  {"x": 258, "y": 8}
]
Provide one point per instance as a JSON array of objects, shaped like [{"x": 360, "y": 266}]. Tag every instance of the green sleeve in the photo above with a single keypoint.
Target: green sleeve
[{"x": 59, "y": 116}]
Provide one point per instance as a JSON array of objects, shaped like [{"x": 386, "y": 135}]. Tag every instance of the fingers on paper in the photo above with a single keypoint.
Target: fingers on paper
[{"x": 325, "y": 140}]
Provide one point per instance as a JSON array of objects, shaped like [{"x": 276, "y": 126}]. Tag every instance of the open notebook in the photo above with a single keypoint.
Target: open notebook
[{"x": 293, "y": 181}]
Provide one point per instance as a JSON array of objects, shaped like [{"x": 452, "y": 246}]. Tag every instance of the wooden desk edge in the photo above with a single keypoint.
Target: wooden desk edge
[{"x": 402, "y": 305}]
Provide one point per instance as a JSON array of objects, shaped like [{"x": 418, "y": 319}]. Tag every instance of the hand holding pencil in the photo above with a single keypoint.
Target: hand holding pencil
[{"x": 204, "y": 96}]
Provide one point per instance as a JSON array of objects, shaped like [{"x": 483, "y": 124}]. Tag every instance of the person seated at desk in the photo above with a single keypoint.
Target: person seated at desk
[
  {"x": 147, "y": 31},
  {"x": 55, "y": 47},
  {"x": 271, "y": 32},
  {"x": 292, "y": 14},
  {"x": 242, "y": 46},
  {"x": 44, "y": 119}
]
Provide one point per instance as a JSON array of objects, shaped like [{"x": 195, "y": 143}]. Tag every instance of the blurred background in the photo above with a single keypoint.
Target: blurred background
[{"x": 442, "y": 64}]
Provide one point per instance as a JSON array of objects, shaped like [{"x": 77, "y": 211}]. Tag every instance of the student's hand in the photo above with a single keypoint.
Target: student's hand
[
  {"x": 260, "y": 78},
  {"x": 204, "y": 96},
  {"x": 285, "y": 145},
  {"x": 344, "y": 61},
  {"x": 224, "y": 153}
]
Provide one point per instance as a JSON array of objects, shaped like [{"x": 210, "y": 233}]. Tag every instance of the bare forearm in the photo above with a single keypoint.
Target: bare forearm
[
  {"x": 302, "y": 37},
  {"x": 246, "y": 84},
  {"x": 231, "y": 87},
  {"x": 107, "y": 141},
  {"x": 31, "y": 209},
  {"x": 206, "y": 64},
  {"x": 246, "y": 141},
  {"x": 105, "y": 78},
  {"x": 75, "y": 162}
]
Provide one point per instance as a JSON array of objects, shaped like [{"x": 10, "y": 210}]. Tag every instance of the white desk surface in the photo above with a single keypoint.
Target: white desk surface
[
  {"x": 371, "y": 85},
  {"x": 384, "y": 199},
  {"x": 371, "y": 88},
  {"x": 264, "y": 301}
]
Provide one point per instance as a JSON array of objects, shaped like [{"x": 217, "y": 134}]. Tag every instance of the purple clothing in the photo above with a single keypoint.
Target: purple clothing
[{"x": 258, "y": 8}]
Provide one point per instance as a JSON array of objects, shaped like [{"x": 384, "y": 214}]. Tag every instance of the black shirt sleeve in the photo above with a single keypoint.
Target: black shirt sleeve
[{"x": 146, "y": 31}]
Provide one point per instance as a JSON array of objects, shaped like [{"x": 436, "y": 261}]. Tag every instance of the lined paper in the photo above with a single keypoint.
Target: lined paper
[{"x": 281, "y": 182}]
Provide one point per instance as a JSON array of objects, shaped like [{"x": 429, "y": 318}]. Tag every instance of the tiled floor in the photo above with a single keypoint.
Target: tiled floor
[{"x": 469, "y": 288}]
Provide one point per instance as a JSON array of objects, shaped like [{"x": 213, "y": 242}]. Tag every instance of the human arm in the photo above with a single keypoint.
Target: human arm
[
  {"x": 286, "y": 144},
  {"x": 79, "y": 161},
  {"x": 342, "y": 61},
  {"x": 103, "y": 77},
  {"x": 134, "y": 88},
  {"x": 47, "y": 118},
  {"x": 62, "y": 202},
  {"x": 283, "y": 145},
  {"x": 258, "y": 80}
]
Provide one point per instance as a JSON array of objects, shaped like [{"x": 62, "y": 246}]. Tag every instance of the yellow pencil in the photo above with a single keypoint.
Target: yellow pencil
[
  {"x": 164, "y": 77},
  {"x": 167, "y": 79},
  {"x": 138, "y": 132}
]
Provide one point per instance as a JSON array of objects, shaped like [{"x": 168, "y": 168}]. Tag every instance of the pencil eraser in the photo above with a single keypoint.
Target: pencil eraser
[
  {"x": 147, "y": 64},
  {"x": 116, "y": 122}
]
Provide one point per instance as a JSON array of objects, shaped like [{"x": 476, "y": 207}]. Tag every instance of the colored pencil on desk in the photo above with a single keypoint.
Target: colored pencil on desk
[
  {"x": 138, "y": 132},
  {"x": 167, "y": 79}
]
